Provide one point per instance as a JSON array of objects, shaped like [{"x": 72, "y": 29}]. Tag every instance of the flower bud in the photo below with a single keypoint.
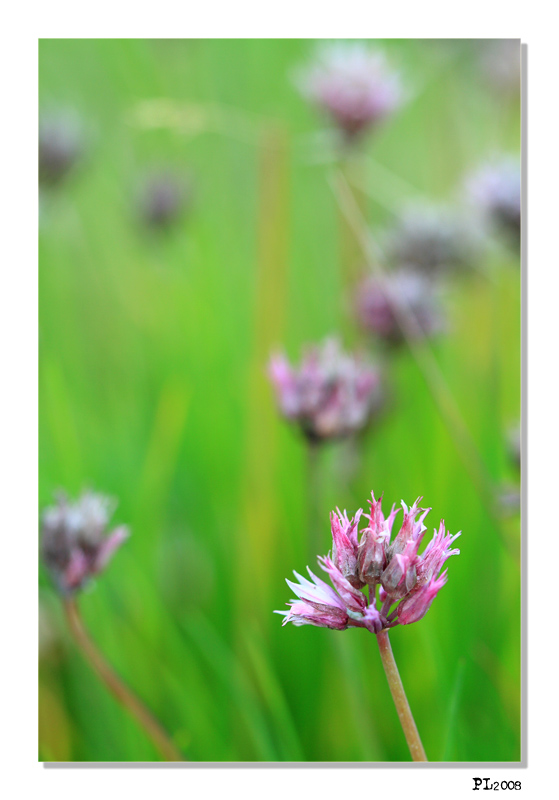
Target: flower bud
[
  {"x": 372, "y": 553},
  {"x": 411, "y": 530},
  {"x": 400, "y": 576},
  {"x": 417, "y": 604},
  {"x": 344, "y": 545}
]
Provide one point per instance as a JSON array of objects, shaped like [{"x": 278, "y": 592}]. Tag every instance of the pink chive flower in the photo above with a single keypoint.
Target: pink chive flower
[
  {"x": 407, "y": 581},
  {"x": 382, "y": 302},
  {"x": 331, "y": 394},
  {"x": 75, "y": 542},
  {"x": 353, "y": 84},
  {"x": 495, "y": 192}
]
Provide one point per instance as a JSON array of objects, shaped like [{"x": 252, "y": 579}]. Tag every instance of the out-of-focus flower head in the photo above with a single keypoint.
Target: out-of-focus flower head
[
  {"x": 76, "y": 543},
  {"x": 430, "y": 239},
  {"x": 509, "y": 501},
  {"x": 495, "y": 192},
  {"x": 331, "y": 395},
  {"x": 383, "y": 301},
  {"x": 353, "y": 84},
  {"x": 163, "y": 200},
  {"x": 500, "y": 62},
  {"x": 61, "y": 145},
  {"x": 514, "y": 446},
  {"x": 408, "y": 582}
]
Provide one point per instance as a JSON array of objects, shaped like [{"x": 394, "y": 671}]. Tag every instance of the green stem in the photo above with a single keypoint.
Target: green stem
[
  {"x": 313, "y": 500},
  {"x": 116, "y": 686},
  {"x": 399, "y": 696}
]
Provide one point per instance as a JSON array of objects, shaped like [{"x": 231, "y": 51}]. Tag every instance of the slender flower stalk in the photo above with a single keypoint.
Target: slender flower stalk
[
  {"x": 399, "y": 696},
  {"x": 123, "y": 694},
  {"x": 76, "y": 546},
  {"x": 407, "y": 584}
]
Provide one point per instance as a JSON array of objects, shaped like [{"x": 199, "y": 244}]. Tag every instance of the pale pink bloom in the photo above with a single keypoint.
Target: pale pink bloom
[
  {"x": 331, "y": 394},
  {"x": 302, "y": 613},
  {"x": 353, "y": 84},
  {"x": 76, "y": 544},
  {"x": 320, "y": 605},
  {"x": 352, "y": 598},
  {"x": 405, "y": 294}
]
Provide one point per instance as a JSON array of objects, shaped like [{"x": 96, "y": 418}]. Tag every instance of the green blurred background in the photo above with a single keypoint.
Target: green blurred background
[{"x": 153, "y": 389}]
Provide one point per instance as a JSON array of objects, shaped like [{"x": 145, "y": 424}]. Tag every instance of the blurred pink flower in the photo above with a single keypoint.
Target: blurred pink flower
[
  {"x": 381, "y": 302},
  {"x": 61, "y": 145},
  {"x": 404, "y": 577},
  {"x": 75, "y": 543},
  {"x": 353, "y": 84},
  {"x": 331, "y": 395},
  {"x": 430, "y": 239},
  {"x": 495, "y": 191},
  {"x": 163, "y": 199}
]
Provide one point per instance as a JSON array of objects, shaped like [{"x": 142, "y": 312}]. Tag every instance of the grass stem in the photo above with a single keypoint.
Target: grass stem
[{"x": 116, "y": 686}]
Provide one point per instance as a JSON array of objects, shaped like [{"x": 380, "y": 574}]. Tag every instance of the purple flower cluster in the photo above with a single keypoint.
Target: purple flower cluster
[
  {"x": 408, "y": 582},
  {"x": 75, "y": 542},
  {"x": 353, "y": 84},
  {"x": 331, "y": 394}
]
